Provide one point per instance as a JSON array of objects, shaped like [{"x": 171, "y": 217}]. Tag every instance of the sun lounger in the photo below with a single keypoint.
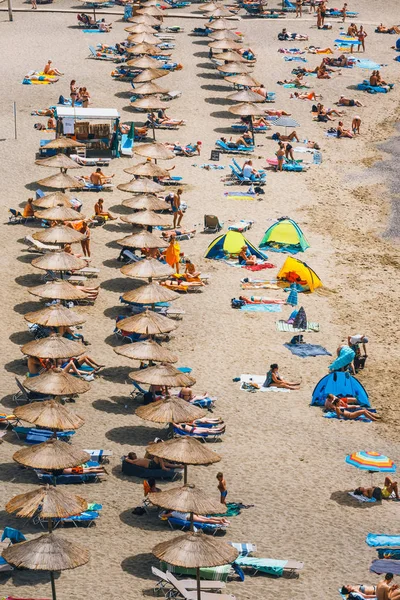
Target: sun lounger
[
  {"x": 142, "y": 473},
  {"x": 212, "y": 224},
  {"x": 192, "y": 595},
  {"x": 244, "y": 549},
  {"x": 17, "y": 217},
  {"x": 24, "y": 395},
  {"x": 270, "y": 566},
  {"x": 99, "y": 55},
  {"x": 68, "y": 479},
  {"x": 90, "y": 162},
  {"x": 206, "y": 573},
  {"x": 242, "y": 127},
  {"x": 14, "y": 535},
  {"x": 5, "y": 567},
  {"x": 86, "y": 519},
  {"x": 288, "y": 165},
  {"x": 203, "y": 437},
  {"x": 183, "y": 525},
  {"x": 9, "y": 421},
  {"x": 229, "y": 148},
  {"x": 241, "y": 226},
  {"x": 164, "y": 584},
  {"x": 39, "y": 247},
  {"x": 37, "y": 436},
  {"x": 100, "y": 456}
]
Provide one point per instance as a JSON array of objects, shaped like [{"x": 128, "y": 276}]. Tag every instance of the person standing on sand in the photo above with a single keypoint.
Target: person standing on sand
[
  {"x": 222, "y": 487},
  {"x": 361, "y": 35},
  {"x": 344, "y": 12},
  {"x": 355, "y": 125},
  {"x": 177, "y": 209},
  {"x": 299, "y": 8},
  {"x": 34, "y": 5}
]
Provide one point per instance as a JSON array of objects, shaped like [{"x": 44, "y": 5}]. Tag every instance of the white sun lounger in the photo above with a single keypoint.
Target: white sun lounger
[
  {"x": 164, "y": 584},
  {"x": 192, "y": 595},
  {"x": 39, "y": 247}
]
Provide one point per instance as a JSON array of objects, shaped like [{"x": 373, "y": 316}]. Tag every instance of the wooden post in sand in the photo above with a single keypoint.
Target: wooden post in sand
[
  {"x": 10, "y": 11},
  {"x": 15, "y": 104}
]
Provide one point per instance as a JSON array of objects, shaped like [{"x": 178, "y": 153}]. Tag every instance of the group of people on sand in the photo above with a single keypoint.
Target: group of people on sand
[
  {"x": 79, "y": 94},
  {"x": 384, "y": 590}
]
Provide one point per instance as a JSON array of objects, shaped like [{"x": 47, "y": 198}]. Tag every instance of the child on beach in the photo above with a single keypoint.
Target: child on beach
[{"x": 222, "y": 487}]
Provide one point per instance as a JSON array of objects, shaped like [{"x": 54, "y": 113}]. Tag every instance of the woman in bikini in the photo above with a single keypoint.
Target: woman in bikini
[
  {"x": 273, "y": 379},
  {"x": 343, "y": 413}
]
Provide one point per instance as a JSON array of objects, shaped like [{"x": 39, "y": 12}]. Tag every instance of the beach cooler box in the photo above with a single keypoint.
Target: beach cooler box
[{"x": 46, "y": 152}]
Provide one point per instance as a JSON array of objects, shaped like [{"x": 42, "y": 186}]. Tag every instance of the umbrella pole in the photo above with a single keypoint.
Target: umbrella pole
[
  {"x": 191, "y": 522},
  {"x": 252, "y": 130},
  {"x": 198, "y": 583},
  {"x": 152, "y": 125},
  {"x": 184, "y": 474},
  {"x": 53, "y": 586}
]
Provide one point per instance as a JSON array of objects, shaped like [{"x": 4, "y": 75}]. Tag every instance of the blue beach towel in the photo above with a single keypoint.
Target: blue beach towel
[
  {"x": 92, "y": 31},
  {"x": 364, "y": 63},
  {"x": 385, "y": 566},
  {"x": 14, "y": 535},
  {"x": 389, "y": 553},
  {"x": 305, "y": 350},
  {"x": 333, "y": 415},
  {"x": 261, "y": 308},
  {"x": 381, "y": 539}
]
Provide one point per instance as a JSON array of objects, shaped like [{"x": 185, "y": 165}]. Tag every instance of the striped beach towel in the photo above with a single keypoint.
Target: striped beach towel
[
  {"x": 288, "y": 327},
  {"x": 209, "y": 573}
]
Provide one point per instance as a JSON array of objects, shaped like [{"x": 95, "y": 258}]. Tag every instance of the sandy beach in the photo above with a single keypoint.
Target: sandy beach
[{"x": 278, "y": 453}]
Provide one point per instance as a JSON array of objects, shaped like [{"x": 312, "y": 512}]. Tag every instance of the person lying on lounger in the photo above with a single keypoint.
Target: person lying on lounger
[
  {"x": 188, "y": 150},
  {"x": 196, "y": 518},
  {"x": 91, "y": 292},
  {"x": 148, "y": 463},
  {"x": 364, "y": 591},
  {"x": 245, "y": 257},
  {"x": 186, "y": 393},
  {"x": 343, "y": 413},
  {"x": 98, "y": 177},
  {"x": 286, "y": 138},
  {"x": 244, "y": 140},
  {"x": 389, "y": 487},
  {"x": 273, "y": 379},
  {"x": 188, "y": 428},
  {"x": 343, "y": 101}
]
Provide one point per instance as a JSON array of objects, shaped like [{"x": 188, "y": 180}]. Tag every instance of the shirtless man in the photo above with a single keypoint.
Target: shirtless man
[
  {"x": 100, "y": 212},
  {"x": 385, "y": 590},
  {"x": 343, "y": 101},
  {"x": 98, "y": 177}
]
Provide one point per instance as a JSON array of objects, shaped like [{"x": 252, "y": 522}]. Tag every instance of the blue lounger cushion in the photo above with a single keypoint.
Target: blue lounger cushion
[{"x": 183, "y": 524}]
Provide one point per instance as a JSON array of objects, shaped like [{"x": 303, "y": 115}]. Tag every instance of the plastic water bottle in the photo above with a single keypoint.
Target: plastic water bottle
[{"x": 317, "y": 160}]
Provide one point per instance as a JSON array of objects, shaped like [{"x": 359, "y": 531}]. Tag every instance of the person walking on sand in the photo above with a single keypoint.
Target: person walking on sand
[
  {"x": 34, "y": 5},
  {"x": 85, "y": 243},
  {"x": 344, "y": 12},
  {"x": 299, "y": 8},
  {"x": 222, "y": 487}
]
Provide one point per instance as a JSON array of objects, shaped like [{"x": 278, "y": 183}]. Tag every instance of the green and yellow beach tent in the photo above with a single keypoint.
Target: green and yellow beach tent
[
  {"x": 231, "y": 243},
  {"x": 293, "y": 266},
  {"x": 284, "y": 236}
]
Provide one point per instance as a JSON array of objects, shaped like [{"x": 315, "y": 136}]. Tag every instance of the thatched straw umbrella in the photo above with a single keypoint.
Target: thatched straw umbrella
[
  {"x": 230, "y": 56},
  {"x": 147, "y": 218},
  {"x": 148, "y": 268},
  {"x": 143, "y": 38},
  {"x": 226, "y": 35},
  {"x": 150, "y": 74},
  {"x": 225, "y": 44},
  {"x": 153, "y": 11},
  {"x": 147, "y": 323},
  {"x": 54, "y": 346},
  {"x": 146, "y": 202},
  {"x": 147, "y": 169},
  {"x": 144, "y": 239},
  {"x": 59, "y": 261},
  {"x": 47, "y": 553},
  {"x": 60, "y": 213},
  {"x": 52, "y": 455},
  {"x": 62, "y": 143},
  {"x": 56, "y": 383},
  {"x": 220, "y": 11},
  {"x": 61, "y": 181},
  {"x": 148, "y": 89},
  {"x": 169, "y": 410},
  {"x": 247, "y": 109},
  {"x": 245, "y": 80},
  {"x": 53, "y": 199},
  {"x": 50, "y": 502},
  {"x": 196, "y": 550},
  {"x": 141, "y": 28},
  {"x": 147, "y": 50},
  {"x": 143, "y": 62},
  {"x": 245, "y": 96},
  {"x": 146, "y": 19},
  {"x": 154, "y": 150},
  {"x": 58, "y": 290},
  {"x": 186, "y": 451},
  {"x": 220, "y": 24},
  {"x": 148, "y": 350},
  {"x": 151, "y": 293},
  {"x": 234, "y": 68},
  {"x": 60, "y": 234},
  {"x": 55, "y": 315},
  {"x": 60, "y": 161},
  {"x": 151, "y": 103},
  {"x": 163, "y": 374},
  {"x": 210, "y": 6},
  {"x": 141, "y": 186},
  {"x": 49, "y": 415}
]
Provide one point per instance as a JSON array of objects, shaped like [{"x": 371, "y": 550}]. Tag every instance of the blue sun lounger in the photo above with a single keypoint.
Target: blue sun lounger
[
  {"x": 242, "y": 127},
  {"x": 182, "y": 524},
  {"x": 36, "y": 436},
  {"x": 229, "y": 148},
  {"x": 202, "y": 31}
]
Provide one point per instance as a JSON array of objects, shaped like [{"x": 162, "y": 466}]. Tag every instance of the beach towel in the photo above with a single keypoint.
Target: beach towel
[
  {"x": 361, "y": 498},
  {"x": 381, "y": 539},
  {"x": 306, "y": 350},
  {"x": 259, "y": 267},
  {"x": 208, "y": 573},
  {"x": 333, "y": 415},
  {"x": 271, "y": 308},
  {"x": 293, "y": 295},
  {"x": 258, "y": 380},
  {"x": 293, "y": 85},
  {"x": 289, "y": 328},
  {"x": 354, "y": 596},
  {"x": 93, "y": 31},
  {"x": 364, "y": 63},
  {"x": 244, "y": 549},
  {"x": 233, "y": 509},
  {"x": 385, "y": 566},
  {"x": 295, "y": 58},
  {"x": 239, "y": 196},
  {"x": 389, "y": 553},
  {"x": 266, "y": 565}
]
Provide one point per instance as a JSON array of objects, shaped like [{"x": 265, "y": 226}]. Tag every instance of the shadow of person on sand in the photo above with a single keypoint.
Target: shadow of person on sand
[
  {"x": 139, "y": 565},
  {"x": 139, "y": 435},
  {"x": 343, "y": 498}
]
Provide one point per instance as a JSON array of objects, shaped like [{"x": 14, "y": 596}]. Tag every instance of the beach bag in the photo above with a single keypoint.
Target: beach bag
[
  {"x": 359, "y": 362},
  {"x": 236, "y": 303}
]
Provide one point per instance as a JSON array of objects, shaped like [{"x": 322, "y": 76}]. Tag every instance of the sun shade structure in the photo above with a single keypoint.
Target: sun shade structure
[
  {"x": 294, "y": 270},
  {"x": 196, "y": 550},
  {"x": 59, "y": 261},
  {"x": 220, "y": 11},
  {"x": 165, "y": 375},
  {"x": 51, "y": 502},
  {"x": 153, "y": 11},
  {"x": 60, "y": 181},
  {"x": 246, "y": 109},
  {"x": 245, "y": 96},
  {"x": 146, "y": 202},
  {"x": 58, "y": 290},
  {"x": 60, "y": 161},
  {"x": 54, "y": 346},
  {"x": 61, "y": 143},
  {"x": 147, "y": 89},
  {"x": 55, "y": 316},
  {"x": 147, "y": 49},
  {"x": 141, "y": 186},
  {"x": 147, "y": 350},
  {"x": 142, "y": 240},
  {"x": 150, "y": 74},
  {"x": 49, "y": 415},
  {"x": 341, "y": 384},
  {"x": 58, "y": 235},
  {"x": 51, "y": 455},
  {"x": 143, "y": 62},
  {"x": 169, "y": 410},
  {"x": 220, "y": 24},
  {"x": 245, "y": 80},
  {"x": 186, "y": 451},
  {"x": 147, "y": 217},
  {"x": 210, "y": 6},
  {"x": 147, "y": 169},
  {"x": 231, "y": 56},
  {"x": 60, "y": 213},
  {"x": 371, "y": 461},
  {"x": 225, "y": 44},
  {"x": 53, "y": 199},
  {"x": 140, "y": 28},
  {"x": 226, "y": 35},
  {"x": 47, "y": 553},
  {"x": 147, "y": 322},
  {"x": 146, "y": 38},
  {"x": 149, "y": 103},
  {"x": 146, "y": 19},
  {"x": 285, "y": 122},
  {"x": 187, "y": 498},
  {"x": 284, "y": 236},
  {"x": 155, "y": 150},
  {"x": 56, "y": 383},
  {"x": 152, "y": 293},
  {"x": 230, "y": 244},
  {"x": 148, "y": 267},
  {"x": 233, "y": 68}
]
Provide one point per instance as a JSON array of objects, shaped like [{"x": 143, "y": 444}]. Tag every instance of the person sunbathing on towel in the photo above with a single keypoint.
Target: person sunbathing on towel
[
  {"x": 49, "y": 70},
  {"x": 343, "y": 101},
  {"x": 297, "y": 82},
  {"x": 390, "y": 487},
  {"x": 273, "y": 379},
  {"x": 81, "y": 470},
  {"x": 342, "y": 413},
  {"x": 318, "y": 50},
  {"x": 165, "y": 119},
  {"x": 196, "y": 518},
  {"x": 287, "y": 138},
  {"x": 342, "y": 402},
  {"x": 260, "y": 90},
  {"x": 246, "y": 258},
  {"x": 322, "y": 72},
  {"x": 364, "y": 591},
  {"x": 286, "y": 35},
  {"x": 98, "y": 177},
  {"x": 341, "y": 61},
  {"x": 276, "y": 113},
  {"x": 37, "y": 77},
  {"x": 103, "y": 26},
  {"x": 188, "y": 428},
  {"x": 382, "y": 29},
  {"x": 309, "y": 96}
]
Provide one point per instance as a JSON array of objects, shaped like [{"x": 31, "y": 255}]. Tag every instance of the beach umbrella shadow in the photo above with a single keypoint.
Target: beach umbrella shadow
[
  {"x": 26, "y": 307},
  {"x": 116, "y": 374},
  {"x": 12, "y": 473},
  {"x": 143, "y": 522},
  {"x": 214, "y": 75},
  {"x": 219, "y": 101},
  {"x": 112, "y": 263},
  {"x": 205, "y": 65},
  {"x": 115, "y": 405},
  {"x": 20, "y": 337},
  {"x": 137, "y": 435},
  {"x": 117, "y": 284},
  {"x": 221, "y": 114},
  {"x": 216, "y": 88},
  {"x": 29, "y": 280},
  {"x": 139, "y": 565},
  {"x": 16, "y": 366}
]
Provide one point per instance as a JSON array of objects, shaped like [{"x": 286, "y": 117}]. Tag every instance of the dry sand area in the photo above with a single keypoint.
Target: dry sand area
[{"x": 278, "y": 453}]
